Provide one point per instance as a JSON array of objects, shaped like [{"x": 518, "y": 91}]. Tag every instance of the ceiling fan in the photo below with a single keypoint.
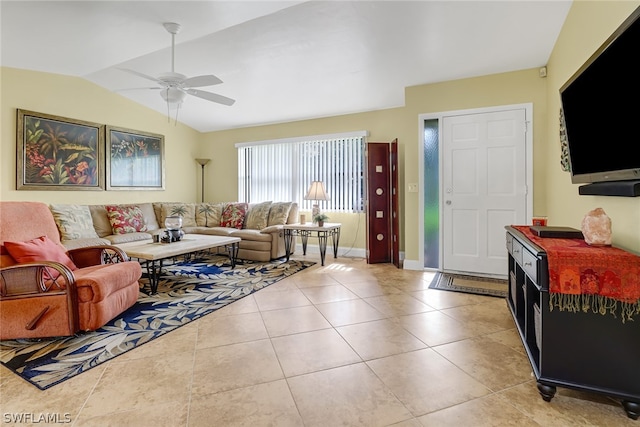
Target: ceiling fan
[{"x": 174, "y": 87}]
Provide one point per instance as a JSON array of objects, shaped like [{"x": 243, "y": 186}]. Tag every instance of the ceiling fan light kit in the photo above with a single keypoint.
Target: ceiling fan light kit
[
  {"x": 174, "y": 87},
  {"x": 173, "y": 96}
]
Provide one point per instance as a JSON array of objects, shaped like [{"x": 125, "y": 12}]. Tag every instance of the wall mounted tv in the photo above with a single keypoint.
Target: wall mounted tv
[{"x": 601, "y": 106}]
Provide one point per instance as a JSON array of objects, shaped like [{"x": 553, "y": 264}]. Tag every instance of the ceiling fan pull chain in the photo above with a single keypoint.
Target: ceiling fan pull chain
[{"x": 168, "y": 109}]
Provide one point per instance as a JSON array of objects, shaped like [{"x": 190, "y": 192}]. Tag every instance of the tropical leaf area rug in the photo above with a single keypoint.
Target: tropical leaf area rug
[
  {"x": 186, "y": 292},
  {"x": 470, "y": 284}
]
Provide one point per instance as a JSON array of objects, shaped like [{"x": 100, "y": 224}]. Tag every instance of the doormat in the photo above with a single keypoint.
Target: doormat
[{"x": 470, "y": 284}]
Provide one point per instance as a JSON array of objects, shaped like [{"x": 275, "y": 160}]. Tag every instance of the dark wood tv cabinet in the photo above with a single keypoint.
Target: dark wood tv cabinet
[{"x": 583, "y": 350}]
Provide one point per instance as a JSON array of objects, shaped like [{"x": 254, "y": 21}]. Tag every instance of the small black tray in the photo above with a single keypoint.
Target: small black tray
[{"x": 556, "y": 232}]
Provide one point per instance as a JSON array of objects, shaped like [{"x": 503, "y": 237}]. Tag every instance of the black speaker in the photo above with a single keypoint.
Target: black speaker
[{"x": 611, "y": 188}]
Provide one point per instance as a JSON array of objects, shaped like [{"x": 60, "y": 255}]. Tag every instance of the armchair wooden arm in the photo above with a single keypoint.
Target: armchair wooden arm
[
  {"x": 95, "y": 255},
  {"x": 34, "y": 299}
]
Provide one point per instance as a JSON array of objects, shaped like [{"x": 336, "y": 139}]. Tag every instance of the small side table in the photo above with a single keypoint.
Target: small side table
[{"x": 309, "y": 229}]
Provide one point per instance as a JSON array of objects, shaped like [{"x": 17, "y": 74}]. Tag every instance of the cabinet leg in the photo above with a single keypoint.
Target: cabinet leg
[
  {"x": 632, "y": 408},
  {"x": 546, "y": 391}
]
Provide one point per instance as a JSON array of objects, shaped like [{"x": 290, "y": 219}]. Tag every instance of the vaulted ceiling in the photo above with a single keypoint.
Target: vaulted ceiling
[{"x": 280, "y": 60}]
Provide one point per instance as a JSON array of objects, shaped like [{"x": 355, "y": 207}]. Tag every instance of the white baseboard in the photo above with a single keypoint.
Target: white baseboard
[
  {"x": 353, "y": 253},
  {"x": 346, "y": 252},
  {"x": 410, "y": 264}
]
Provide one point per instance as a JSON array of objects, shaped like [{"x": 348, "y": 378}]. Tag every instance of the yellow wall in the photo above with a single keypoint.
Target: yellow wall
[
  {"x": 588, "y": 25},
  {"x": 517, "y": 87},
  {"x": 77, "y": 98},
  {"x": 385, "y": 125},
  {"x": 220, "y": 147}
]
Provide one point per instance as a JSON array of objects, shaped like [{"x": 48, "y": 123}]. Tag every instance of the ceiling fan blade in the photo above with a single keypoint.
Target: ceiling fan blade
[
  {"x": 199, "y": 81},
  {"x": 214, "y": 97},
  {"x": 137, "y": 88},
  {"x": 144, "y": 76}
]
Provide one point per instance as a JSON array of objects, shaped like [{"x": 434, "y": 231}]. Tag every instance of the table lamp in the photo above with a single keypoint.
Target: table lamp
[{"x": 316, "y": 192}]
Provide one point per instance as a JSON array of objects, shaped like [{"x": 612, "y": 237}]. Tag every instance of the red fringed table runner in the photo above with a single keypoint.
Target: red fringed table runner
[{"x": 601, "y": 279}]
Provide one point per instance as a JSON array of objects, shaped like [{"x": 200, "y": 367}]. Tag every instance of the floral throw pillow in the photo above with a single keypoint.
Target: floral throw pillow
[
  {"x": 279, "y": 213},
  {"x": 233, "y": 215},
  {"x": 125, "y": 219},
  {"x": 73, "y": 221},
  {"x": 257, "y": 216}
]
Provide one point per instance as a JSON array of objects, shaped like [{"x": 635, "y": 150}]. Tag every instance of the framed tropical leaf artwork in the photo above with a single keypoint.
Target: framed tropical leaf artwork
[
  {"x": 57, "y": 153},
  {"x": 135, "y": 160}
]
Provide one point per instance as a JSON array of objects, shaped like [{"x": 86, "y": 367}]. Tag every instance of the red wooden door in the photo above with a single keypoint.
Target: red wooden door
[{"x": 379, "y": 235}]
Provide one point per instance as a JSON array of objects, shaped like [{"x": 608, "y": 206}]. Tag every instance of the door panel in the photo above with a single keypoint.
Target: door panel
[
  {"x": 496, "y": 219},
  {"x": 483, "y": 188},
  {"x": 464, "y": 237}
]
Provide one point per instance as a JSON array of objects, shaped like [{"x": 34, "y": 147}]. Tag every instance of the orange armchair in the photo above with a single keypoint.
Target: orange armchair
[{"x": 47, "y": 298}]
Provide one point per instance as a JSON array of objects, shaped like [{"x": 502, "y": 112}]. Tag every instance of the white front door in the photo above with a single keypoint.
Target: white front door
[{"x": 483, "y": 188}]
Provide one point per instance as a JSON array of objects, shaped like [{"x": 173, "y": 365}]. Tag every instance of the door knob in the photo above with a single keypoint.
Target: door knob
[{"x": 448, "y": 202}]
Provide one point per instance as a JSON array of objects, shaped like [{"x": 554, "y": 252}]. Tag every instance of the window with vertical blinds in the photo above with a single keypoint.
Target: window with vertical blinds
[{"x": 282, "y": 170}]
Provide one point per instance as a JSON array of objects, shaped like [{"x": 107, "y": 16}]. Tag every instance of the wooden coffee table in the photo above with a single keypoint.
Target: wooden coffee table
[{"x": 153, "y": 254}]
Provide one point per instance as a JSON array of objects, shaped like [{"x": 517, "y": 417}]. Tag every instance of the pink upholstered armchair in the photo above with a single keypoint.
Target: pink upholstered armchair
[{"x": 67, "y": 291}]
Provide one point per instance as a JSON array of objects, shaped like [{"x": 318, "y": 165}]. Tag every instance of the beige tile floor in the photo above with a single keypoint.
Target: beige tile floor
[{"x": 347, "y": 344}]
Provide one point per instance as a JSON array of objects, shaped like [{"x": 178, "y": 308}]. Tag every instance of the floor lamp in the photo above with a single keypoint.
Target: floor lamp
[{"x": 202, "y": 163}]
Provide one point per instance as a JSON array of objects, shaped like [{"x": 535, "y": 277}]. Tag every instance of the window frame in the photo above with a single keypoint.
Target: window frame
[{"x": 338, "y": 177}]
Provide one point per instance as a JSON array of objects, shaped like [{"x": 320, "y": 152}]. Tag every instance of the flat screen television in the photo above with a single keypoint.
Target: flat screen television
[{"x": 601, "y": 107}]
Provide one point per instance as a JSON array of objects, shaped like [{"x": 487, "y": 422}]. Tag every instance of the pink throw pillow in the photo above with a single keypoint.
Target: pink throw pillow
[
  {"x": 126, "y": 219},
  {"x": 40, "y": 249},
  {"x": 233, "y": 215}
]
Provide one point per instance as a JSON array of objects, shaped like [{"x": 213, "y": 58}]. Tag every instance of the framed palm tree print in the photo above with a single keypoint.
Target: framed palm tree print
[
  {"x": 58, "y": 153},
  {"x": 135, "y": 160}
]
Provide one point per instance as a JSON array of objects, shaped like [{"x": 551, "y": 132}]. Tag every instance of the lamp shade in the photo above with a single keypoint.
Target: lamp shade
[{"x": 316, "y": 192}]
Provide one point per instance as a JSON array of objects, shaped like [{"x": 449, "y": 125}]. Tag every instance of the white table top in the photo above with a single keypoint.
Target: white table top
[
  {"x": 147, "y": 249},
  {"x": 310, "y": 226}
]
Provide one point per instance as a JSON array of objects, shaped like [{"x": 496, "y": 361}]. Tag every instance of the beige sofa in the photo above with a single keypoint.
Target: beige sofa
[{"x": 260, "y": 229}]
